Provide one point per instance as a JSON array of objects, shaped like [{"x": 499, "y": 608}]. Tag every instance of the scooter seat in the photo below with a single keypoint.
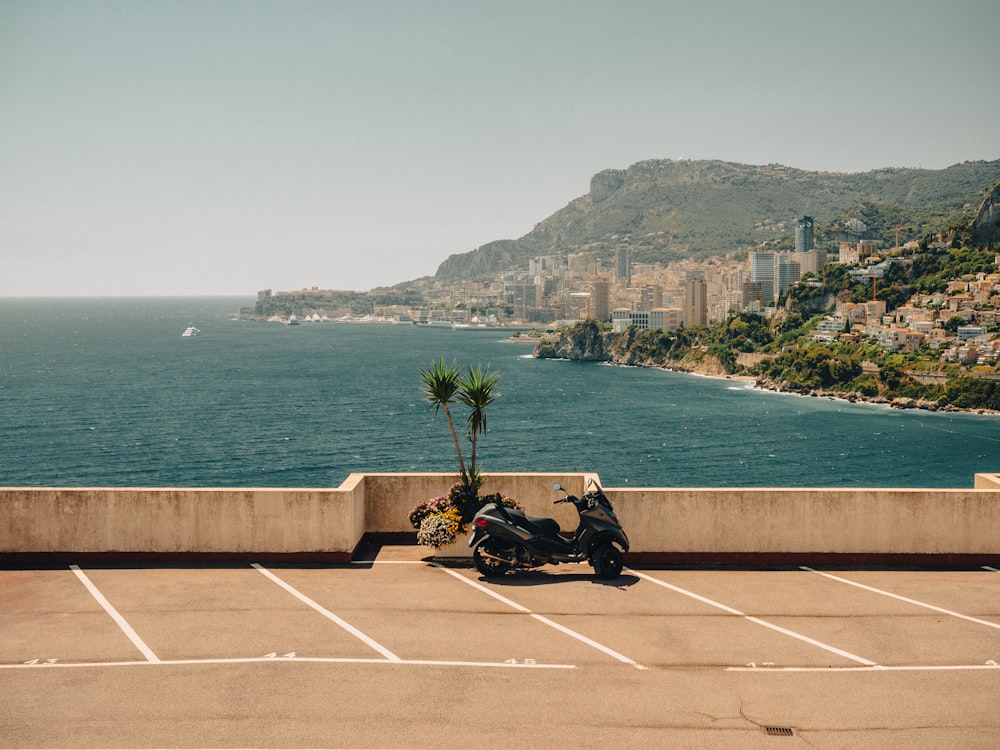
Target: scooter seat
[{"x": 535, "y": 524}]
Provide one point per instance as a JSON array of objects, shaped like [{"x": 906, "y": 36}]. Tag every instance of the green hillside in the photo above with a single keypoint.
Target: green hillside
[{"x": 667, "y": 210}]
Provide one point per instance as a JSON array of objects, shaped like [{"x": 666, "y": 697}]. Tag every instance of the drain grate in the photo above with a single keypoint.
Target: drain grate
[{"x": 779, "y": 731}]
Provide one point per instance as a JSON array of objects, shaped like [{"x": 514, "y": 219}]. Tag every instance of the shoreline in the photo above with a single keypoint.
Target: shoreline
[{"x": 851, "y": 397}]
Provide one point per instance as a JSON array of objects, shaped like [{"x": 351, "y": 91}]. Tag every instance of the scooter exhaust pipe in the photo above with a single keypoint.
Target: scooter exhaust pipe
[{"x": 496, "y": 558}]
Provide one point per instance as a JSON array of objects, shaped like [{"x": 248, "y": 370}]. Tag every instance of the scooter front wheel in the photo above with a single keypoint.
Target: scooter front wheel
[
  {"x": 485, "y": 557},
  {"x": 608, "y": 561}
]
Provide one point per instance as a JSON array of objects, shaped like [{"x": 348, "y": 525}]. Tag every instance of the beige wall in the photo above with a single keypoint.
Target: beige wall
[
  {"x": 987, "y": 481},
  {"x": 176, "y": 520},
  {"x": 848, "y": 521},
  {"x": 657, "y": 520}
]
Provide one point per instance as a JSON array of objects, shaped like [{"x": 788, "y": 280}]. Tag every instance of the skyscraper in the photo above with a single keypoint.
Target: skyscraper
[
  {"x": 762, "y": 270},
  {"x": 804, "y": 235},
  {"x": 695, "y": 303},
  {"x": 600, "y": 307},
  {"x": 789, "y": 271},
  {"x": 623, "y": 265}
]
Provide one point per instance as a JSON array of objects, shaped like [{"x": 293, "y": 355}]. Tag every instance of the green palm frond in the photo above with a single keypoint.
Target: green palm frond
[
  {"x": 477, "y": 390},
  {"x": 440, "y": 385}
]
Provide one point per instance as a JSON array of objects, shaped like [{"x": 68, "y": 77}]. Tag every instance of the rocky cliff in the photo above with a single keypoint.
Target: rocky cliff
[
  {"x": 986, "y": 224},
  {"x": 589, "y": 342}
]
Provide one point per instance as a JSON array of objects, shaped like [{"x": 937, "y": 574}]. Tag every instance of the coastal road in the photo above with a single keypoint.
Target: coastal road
[{"x": 399, "y": 652}]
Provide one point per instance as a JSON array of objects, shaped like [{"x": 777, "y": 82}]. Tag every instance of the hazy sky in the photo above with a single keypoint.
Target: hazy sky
[{"x": 221, "y": 147}]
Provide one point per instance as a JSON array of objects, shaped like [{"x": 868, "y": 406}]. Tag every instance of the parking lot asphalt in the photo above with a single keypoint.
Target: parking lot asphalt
[{"x": 402, "y": 652}]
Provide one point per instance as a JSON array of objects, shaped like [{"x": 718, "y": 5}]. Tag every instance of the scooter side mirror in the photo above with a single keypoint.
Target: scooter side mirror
[{"x": 557, "y": 487}]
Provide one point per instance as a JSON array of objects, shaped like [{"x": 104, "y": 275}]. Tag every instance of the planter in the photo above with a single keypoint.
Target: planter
[{"x": 457, "y": 550}]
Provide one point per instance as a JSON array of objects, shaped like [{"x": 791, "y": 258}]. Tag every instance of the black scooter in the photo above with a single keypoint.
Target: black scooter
[{"x": 506, "y": 539}]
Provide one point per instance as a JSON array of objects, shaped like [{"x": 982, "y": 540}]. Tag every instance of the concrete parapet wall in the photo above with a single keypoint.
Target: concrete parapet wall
[
  {"x": 702, "y": 523},
  {"x": 987, "y": 481},
  {"x": 853, "y": 522},
  {"x": 176, "y": 520}
]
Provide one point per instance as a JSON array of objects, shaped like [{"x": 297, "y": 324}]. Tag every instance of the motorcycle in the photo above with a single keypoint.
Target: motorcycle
[{"x": 506, "y": 539}]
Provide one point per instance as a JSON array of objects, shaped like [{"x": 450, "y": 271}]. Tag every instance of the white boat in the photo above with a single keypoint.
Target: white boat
[{"x": 190, "y": 331}]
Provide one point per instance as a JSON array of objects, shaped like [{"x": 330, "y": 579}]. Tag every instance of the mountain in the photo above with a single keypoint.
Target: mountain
[{"x": 666, "y": 210}]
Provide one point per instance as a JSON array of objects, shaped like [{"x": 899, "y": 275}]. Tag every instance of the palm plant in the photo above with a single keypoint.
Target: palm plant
[
  {"x": 477, "y": 390},
  {"x": 440, "y": 385}
]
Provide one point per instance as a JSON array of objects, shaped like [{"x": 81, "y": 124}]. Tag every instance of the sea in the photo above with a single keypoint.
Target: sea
[{"x": 105, "y": 392}]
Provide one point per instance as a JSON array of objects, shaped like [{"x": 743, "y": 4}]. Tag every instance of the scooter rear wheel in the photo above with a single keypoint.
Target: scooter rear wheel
[
  {"x": 485, "y": 564},
  {"x": 608, "y": 561}
]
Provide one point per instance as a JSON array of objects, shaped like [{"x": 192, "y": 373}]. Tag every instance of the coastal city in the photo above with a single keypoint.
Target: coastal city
[
  {"x": 462, "y": 374},
  {"x": 960, "y": 322}
]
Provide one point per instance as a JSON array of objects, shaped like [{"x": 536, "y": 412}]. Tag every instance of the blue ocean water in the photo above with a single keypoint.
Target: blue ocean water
[{"x": 106, "y": 392}]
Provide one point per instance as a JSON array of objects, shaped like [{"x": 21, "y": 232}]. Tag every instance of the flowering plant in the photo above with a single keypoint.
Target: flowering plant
[
  {"x": 439, "y": 529},
  {"x": 440, "y": 520},
  {"x": 428, "y": 507}
]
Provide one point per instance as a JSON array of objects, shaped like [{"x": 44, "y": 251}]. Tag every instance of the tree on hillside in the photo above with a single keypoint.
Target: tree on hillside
[{"x": 973, "y": 393}]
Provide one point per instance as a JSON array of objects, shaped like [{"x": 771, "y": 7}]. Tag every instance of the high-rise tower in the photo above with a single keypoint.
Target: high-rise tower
[
  {"x": 789, "y": 271},
  {"x": 762, "y": 270},
  {"x": 804, "y": 235},
  {"x": 623, "y": 265},
  {"x": 695, "y": 303},
  {"x": 600, "y": 297}
]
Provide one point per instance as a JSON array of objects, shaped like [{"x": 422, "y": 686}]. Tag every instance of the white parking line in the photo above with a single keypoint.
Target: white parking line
[
  {"x": 541, "y": 618},
  {"x": 925, "y": 605},
  {"x": 757, "y": 620},
  {"x": 122, "y": 623},
  {"x": 329, "y": 615},
  {"x": 303, "y": 659},
  {"x": 876, "y": 668}
]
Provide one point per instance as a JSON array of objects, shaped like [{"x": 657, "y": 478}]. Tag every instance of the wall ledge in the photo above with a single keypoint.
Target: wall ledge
[
  {"x": 61, "y": 560},
  {"x": 793, "y": 560}
]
